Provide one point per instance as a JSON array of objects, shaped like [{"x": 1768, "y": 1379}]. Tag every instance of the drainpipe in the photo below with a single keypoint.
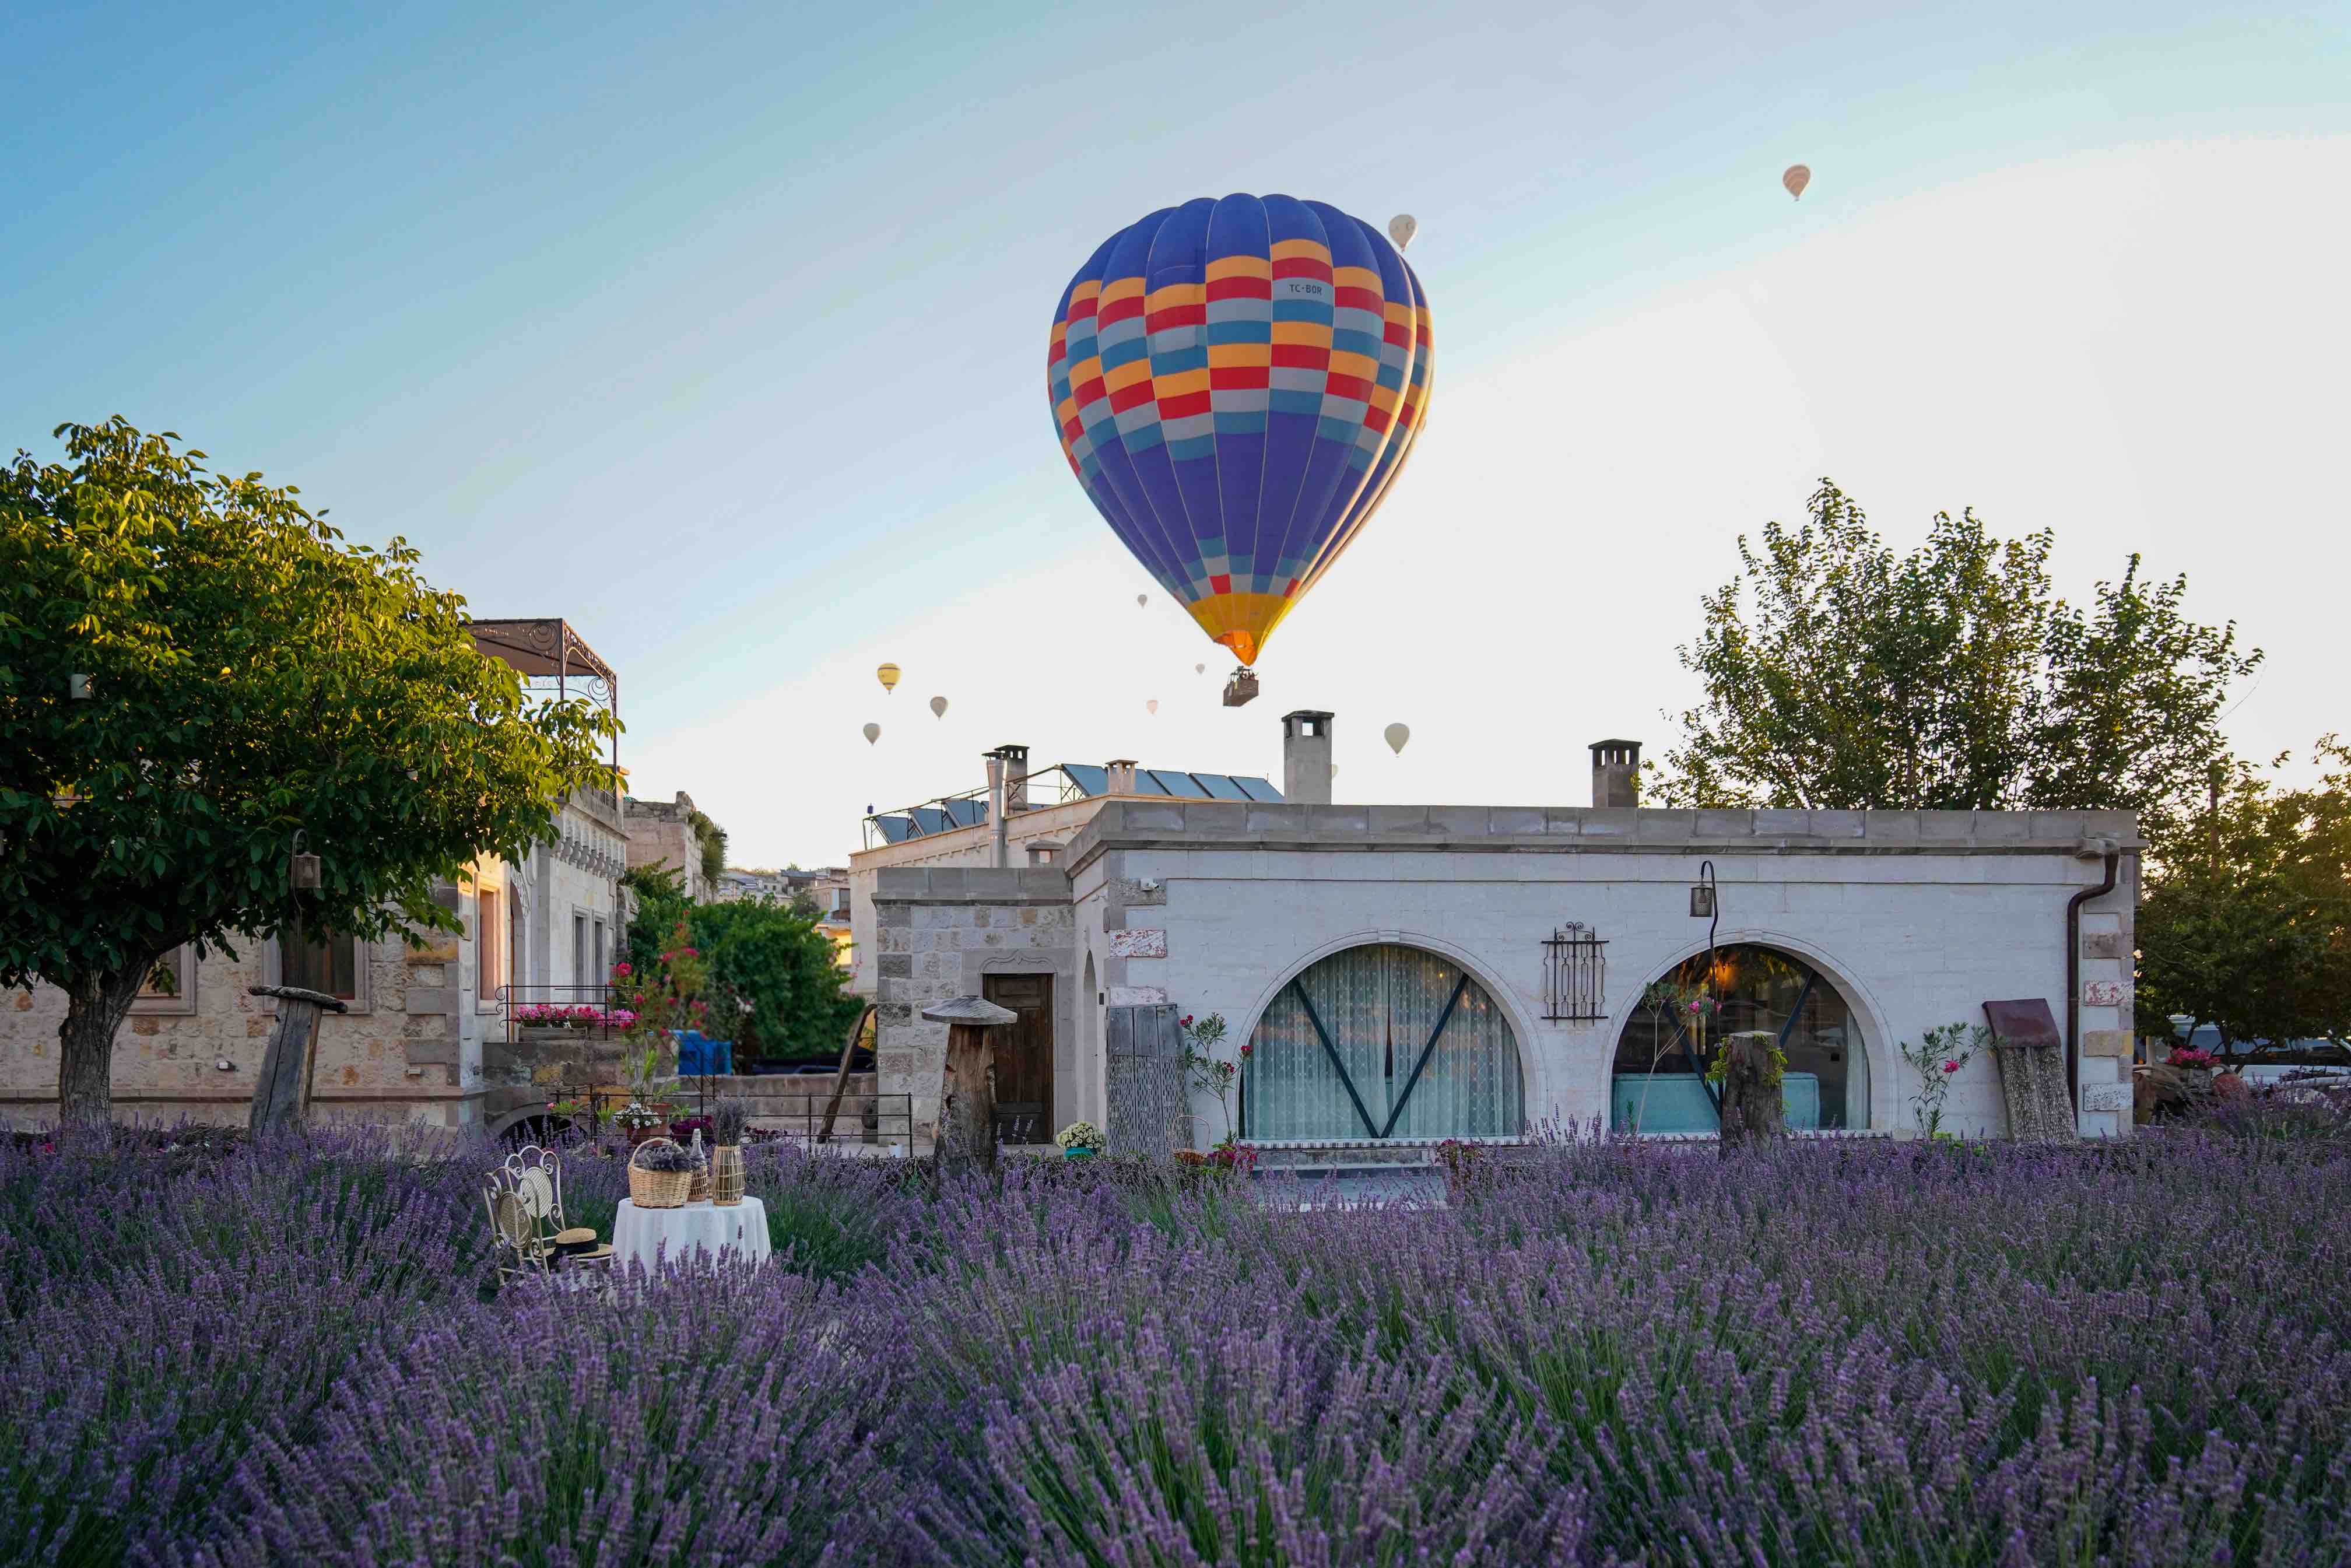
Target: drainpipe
[{"x": 2073, "y": 963}]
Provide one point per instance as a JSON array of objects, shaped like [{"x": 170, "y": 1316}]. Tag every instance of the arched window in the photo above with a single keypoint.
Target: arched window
[
  {"x": 1659, "y": 1084},
  {"x": 1382, "y": 1042}
]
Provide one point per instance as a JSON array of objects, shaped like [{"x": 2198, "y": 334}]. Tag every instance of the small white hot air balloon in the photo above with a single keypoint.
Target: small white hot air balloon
[
  {"x": 1141, "y": 599},
  {"x": 873, "y": 732},
  {"x": 1401, "y": 227},
  {"x": 1199, "y": 669},
  {"x": 1397, "y": 735},
  {"x": 1796, "y": 179},
  {"x": 938, "y": 707},
  {"x": 1151, "y": 706}
]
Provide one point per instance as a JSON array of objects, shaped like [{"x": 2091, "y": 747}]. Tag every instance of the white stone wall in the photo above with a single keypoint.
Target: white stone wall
[{"x": 1918, "y": 919}]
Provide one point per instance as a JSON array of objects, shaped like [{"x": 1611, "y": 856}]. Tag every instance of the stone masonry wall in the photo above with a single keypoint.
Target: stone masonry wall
[{"x": 939, "y": 932}]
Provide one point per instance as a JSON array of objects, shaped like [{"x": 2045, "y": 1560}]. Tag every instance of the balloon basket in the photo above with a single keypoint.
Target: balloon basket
[{"x": 1241, "y": 687}]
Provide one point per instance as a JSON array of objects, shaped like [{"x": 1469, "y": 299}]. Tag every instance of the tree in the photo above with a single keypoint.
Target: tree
[
  {"x": 1837, "y": 672},
  {"x": 249, "y": 678},
  {"x": 777, "y": 960},
  {"x": 2247, "y": 922},
  {"x": 662, "y": 903},
  {"x": 710, "y": 840}
]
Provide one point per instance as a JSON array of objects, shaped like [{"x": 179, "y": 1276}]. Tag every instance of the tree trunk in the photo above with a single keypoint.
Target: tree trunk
[
  {"x": 1752, "y": 1110},
  {"x": 96, "y": 1005},
  {"x": 967, "y": 1110}
]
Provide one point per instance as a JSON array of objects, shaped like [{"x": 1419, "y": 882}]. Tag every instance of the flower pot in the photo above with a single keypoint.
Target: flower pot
[
  {"x": 726, "y": 1175},
  {"x": 1078, "y": 1152},
  {"x": 639, "y": 1134}
]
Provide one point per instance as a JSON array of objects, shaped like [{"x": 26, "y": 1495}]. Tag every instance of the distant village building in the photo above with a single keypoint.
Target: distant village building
[
  {"x": 1409, "y": 974},
  {"x": 828, "y": 887},
  {"x": 425, "y": 1039}
]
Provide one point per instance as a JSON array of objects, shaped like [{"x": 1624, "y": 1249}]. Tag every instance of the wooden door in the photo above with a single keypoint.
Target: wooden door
[{"x": 1024, "y": 1057}]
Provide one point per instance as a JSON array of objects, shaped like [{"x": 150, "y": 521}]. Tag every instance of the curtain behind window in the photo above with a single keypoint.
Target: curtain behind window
[{"x": 1378, "y": 1005}]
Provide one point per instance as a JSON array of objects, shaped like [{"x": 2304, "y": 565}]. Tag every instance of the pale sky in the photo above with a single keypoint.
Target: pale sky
[{"x": 723, "y": 336}]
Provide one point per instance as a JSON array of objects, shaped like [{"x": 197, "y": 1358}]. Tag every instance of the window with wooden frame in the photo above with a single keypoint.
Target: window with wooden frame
[
  {"x": 171, "y": 985},
  {"x": 489, "y": 974},
  {"x": 327, "y": 964}
]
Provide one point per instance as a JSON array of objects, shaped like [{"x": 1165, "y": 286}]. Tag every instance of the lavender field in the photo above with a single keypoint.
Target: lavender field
[{"x": 1873, "y": 1354}]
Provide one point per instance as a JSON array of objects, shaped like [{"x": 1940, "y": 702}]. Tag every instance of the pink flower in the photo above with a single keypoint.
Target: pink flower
[
  {"x": 1950, "y": 1067},
  {"x": 694, "y": 953},
  {"x": 623, "y": 970}
]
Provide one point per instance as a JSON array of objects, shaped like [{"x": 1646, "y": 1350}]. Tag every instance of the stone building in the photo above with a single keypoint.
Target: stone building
[
  {"x": 1407, "y": 974},
  {"x": 424, "y": 1036},
  {"x": 662, "y": 833}
]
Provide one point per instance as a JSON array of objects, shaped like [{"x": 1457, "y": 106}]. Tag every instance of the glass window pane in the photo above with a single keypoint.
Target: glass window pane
[
  {"x": 486, "y": 971},
  {"x": 1658, "y": 1088}
]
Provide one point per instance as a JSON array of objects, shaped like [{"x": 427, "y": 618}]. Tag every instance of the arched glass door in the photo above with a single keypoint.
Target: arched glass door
[
  {"x": 1658, "y": 1085},
  {"x": 1382, "y": 1042}
]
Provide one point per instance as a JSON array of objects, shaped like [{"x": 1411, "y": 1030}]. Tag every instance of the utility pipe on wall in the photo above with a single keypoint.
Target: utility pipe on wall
[
  {"x": 2073, "y": 969},
  {"x": 996, "y": 811}
]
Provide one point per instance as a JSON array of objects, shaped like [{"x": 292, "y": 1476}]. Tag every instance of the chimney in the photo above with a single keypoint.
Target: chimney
[
  {"x": 1306, "y": 757},
  {"x": 1122, "y": 775},
  {"x": 1016, "y": 779},
  {"x": 995, "y": 808},
  {"x": 1615, "y": 772}
]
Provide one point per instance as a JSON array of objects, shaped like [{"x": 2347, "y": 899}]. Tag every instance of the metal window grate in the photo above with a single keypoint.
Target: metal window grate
[{"x": 1575, "y": 974}]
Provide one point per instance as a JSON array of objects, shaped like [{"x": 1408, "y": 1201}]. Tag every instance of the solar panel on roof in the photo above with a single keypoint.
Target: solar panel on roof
[
  {"x": 1145, "y": 784},
  {"x": 1258, "y": 789},
  {"x": 930, "y": 819},
  {"x": 967, "y": 814},
  {"x": 1220, "y": 788},
  {"x": 1089, "y": 778},
  {"x": 1175, "y": 783},
  {"x": 894, "y": 830}
]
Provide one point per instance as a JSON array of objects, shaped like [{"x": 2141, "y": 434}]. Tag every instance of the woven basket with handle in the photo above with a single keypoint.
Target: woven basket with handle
[{"x": 657, "y": 1189}]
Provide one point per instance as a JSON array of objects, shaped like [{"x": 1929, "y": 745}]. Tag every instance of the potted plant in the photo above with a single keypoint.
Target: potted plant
[
  {"x": 1080, "y": 1139},
  {"x": 730, "y": 1121},
  {"x": 638, "y": 1121},
  {"x": 2197, "y": 1064}
]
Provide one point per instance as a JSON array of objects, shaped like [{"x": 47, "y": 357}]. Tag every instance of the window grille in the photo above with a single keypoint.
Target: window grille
[{"x": 1576, "y": 974}]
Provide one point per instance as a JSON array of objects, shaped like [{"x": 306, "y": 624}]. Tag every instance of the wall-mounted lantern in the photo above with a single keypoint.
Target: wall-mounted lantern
[
  {"x": 78, "y": 688},
  {"x": 1702, "y": 903}
]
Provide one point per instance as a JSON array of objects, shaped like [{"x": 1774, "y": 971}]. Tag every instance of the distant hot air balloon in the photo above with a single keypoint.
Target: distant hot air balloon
[
  {"x": 1141, "y": 599},
  {"x": 888, "y": 676},
  {"x": 1199, "y": 669},
  {"x": 1401, "y": 227},
  {"x": 1796, "y": 179},
  {"x": 1237, "y": 423},
  {"x": 873, "y": 732},
  {"x": 1397, "y": 735},
  {"x": 938, "y": 707},
  {"x": 1151, "y": 707}
]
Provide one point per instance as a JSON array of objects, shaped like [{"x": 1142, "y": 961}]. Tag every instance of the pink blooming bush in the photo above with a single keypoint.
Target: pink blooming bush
[
  {"x": 550, "y": 1016},
  {"x": 2192, "y": 1056}
]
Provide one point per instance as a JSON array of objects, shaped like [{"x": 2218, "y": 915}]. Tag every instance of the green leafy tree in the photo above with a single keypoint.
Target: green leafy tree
[
  {"x": 710, "y": 840},
  {"x": 248, "y": 675},
  {"x": 2247, "y": 920},
  {"x": 1837, "y": 672},
  {"x": 777, "y": 960},
  {"x": 662, "y": 903}
]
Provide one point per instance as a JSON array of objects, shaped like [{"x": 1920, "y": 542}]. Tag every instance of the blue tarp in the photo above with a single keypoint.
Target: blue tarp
[{"x": 698, "y": 1055}]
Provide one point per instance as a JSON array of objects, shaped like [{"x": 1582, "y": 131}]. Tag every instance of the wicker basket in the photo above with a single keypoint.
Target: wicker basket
[
  {"x": 725, "y": 1175},
  {"x": 657, "y": 1189},
  {"x": 700, "y": 1191}
]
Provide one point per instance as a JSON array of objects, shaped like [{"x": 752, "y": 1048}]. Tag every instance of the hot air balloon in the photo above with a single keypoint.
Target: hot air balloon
[
  {"x": 1796, "y": 179},
  {"x": 873, "y": 732},
  {"x": 1401, "y": 227},
  {"x": 1397, "y": 735},
  {"x": 938, "y": 707},
  {"x": 888, "y": 676},
  {"x": 1238, "y": 421},
  {"x": 1141, "y": 599},
  {"x": 1151, "y": 707},
  {"x": 1199, "y": 669}
]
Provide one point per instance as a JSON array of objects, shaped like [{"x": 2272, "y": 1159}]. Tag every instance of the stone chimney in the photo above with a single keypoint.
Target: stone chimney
[
  {"x": 1615, "y": 772},
  {"x": 1016, "y": 778},
  {"x": 995, "y": 814},
  {"x": 1122, "y": 775},
  {"x": 1306, "y": 757}
]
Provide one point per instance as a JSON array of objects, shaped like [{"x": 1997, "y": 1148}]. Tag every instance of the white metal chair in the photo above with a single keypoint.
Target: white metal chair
[{"x": 525, "y": 1199}]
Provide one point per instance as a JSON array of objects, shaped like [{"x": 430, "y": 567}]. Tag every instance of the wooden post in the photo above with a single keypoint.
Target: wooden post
[
  {"x": 1753, "y": 1109},
  {"x": 840, "y": 1079},
  {"x": 282, "y": 1096},
  {"x": 968, "y": 1094}
]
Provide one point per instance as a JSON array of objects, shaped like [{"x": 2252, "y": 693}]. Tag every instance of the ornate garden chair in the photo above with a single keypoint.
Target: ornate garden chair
[{"x": 524, "y": 1197}]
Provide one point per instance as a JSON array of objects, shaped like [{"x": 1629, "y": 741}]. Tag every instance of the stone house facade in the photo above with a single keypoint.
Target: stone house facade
[
  {"x": 661, "y": 833},
  {"x": 1401, "y": 971}
]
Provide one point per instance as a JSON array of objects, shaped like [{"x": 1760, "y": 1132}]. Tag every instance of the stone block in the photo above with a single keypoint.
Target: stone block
[
  {"x": 1522, "y": 822},
  {"x": 1152, "y": 817},
  {"x": 1722, "y": 824},
  {"x": 2096, "y": 1097},
  {"x": 1782, "y": 822},
  {"x": 2000, "y": 827},
  {"x": 1128, "y": 893},
  {"x": 1459, "y": 822},
  {"x": 896, "y": 966},
  {"x": 1399, "y": 818},
  {"x": 2102, "y": 945},
  {"x": 1607, "y": 821},
  {"x": 1222, "y": 817},
  {"x": 887, "y": 915},
  {"x": 1137, "y": 995},
  {"x": 1656, "y": 827},
  {"x": 258, "y": 1027},
  {"x": 145, "y": 1026},
  {"x": 1840, "y": 824},
  {"x": 2107, "y": 1043},
  {"x": 437, "y": 1000}
]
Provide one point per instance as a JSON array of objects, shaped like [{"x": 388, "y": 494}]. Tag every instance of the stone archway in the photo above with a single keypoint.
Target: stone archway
[{"x": 1655, "y": 1079}]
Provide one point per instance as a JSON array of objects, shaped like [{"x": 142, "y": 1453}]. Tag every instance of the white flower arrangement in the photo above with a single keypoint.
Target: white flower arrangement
[{"x": 1079, "y": 1136}]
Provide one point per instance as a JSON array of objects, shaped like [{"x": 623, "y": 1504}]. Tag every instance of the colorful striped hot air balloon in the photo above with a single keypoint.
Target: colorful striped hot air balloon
[{"x": 1237, "y": 383}]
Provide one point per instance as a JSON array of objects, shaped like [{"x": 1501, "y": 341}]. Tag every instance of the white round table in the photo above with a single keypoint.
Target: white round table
[{"x": 649, "y": 1236}]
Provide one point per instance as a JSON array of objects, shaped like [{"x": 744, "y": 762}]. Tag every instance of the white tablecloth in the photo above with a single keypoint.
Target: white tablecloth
[{"x": 648, "y": 1235}]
